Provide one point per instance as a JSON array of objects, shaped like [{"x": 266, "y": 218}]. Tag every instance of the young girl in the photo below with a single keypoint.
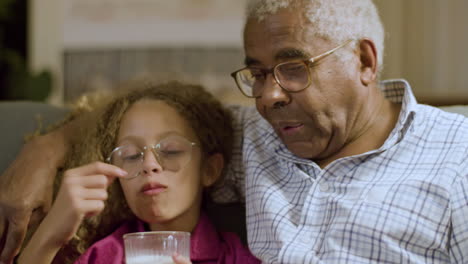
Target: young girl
[{"x": 165, "y": 145}]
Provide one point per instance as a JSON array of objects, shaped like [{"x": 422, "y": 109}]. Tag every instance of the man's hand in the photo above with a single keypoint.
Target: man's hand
[
  {"x": 26, "y": 189},
  {"x": 82, "y": 193}
]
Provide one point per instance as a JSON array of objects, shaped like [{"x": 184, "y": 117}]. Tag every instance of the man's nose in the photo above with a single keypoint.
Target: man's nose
[
  {"x": 151, "y": 163},
  {"x": 273, "y": 95}
]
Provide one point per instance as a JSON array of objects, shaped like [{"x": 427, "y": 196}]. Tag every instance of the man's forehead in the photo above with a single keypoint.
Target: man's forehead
[
  {"x": 280, "y": 40},
  {"x": 287, "y": 53}
]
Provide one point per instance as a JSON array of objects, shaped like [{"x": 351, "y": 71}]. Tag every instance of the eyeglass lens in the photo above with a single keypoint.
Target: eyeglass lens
[
  {"x": 171, "y": 153},
  {"x": 292, "y": 76}
]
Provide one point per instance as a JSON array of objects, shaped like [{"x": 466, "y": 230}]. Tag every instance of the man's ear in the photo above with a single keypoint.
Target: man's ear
[
  {"x": 213, "y": 169},
  {"x": 368, "y": 59}
]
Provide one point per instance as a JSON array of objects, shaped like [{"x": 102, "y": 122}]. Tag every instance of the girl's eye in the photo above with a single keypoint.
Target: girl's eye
[
  {"x": 171, "y": 153},
  {"x": 133, "y": 157}
]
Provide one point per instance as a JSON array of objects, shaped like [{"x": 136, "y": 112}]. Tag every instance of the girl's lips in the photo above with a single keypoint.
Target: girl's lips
[{"x": 153, "y": 188}]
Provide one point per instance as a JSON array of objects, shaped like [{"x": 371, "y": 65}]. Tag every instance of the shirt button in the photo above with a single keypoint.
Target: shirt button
[
  {"x": 305, "y": 240},
  {"x": 324, "y": 187}
]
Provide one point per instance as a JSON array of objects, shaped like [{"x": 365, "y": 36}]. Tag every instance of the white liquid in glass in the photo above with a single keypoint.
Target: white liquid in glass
[{"x": 149, "y": 260}]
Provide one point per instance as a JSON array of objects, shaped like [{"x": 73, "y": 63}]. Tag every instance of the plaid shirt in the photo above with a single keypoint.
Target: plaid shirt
[{"x": 406, "y": 202}]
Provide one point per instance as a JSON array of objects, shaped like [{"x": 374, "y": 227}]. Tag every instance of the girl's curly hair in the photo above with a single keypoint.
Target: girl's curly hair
[{"x": 208, "y": 118}]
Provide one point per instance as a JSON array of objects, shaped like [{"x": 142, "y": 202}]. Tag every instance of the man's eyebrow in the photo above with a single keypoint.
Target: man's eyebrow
[
  {"x": 249, "y": 61},
  {"x": 284, "y": 54},
  {"x": 291, "y": 53}
]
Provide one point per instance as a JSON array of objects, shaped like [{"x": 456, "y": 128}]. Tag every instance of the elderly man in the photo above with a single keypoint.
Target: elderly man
[{"x": 334, "y": 166}]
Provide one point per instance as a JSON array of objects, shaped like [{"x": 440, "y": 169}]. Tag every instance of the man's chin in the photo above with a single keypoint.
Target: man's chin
[{"x": 304, "y": 150}]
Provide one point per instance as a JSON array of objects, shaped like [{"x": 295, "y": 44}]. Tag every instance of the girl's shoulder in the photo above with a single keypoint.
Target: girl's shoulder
[{"x": 110, "y": 250}]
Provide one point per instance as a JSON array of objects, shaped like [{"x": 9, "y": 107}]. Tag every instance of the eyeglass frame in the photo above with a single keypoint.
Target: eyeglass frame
[
  {"x": 142, "y": 153},
  {"x": 308, "y": 62}
]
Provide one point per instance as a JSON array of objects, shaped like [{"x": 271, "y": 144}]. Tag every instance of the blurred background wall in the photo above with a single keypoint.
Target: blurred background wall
[
  {"x": 426, "y": 43},
  {"x": 94, "y": 44}
]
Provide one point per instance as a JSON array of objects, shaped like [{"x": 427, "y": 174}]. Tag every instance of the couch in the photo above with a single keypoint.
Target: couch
[{"x": 18, "y": 119}]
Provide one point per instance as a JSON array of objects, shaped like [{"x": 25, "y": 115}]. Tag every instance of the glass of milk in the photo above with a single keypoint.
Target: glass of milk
[{"x": 155, "y": 246}]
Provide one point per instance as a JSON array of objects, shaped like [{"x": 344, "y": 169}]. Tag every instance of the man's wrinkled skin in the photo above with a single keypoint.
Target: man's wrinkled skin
[{"x": 26, "y": 189}]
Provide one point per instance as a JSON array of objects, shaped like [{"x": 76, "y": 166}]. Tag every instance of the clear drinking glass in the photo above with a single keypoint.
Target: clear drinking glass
[{"x": 155, "y": 246}]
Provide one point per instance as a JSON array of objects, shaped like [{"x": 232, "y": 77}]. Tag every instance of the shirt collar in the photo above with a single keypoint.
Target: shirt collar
[
  {"x": 397, "y": 91},
  {"x": 205, "y": 242}
]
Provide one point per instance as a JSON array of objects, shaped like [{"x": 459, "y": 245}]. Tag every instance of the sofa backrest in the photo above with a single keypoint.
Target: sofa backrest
[
  {"x": 460, "y": 109},
  {"x": 19, "y": 119}
]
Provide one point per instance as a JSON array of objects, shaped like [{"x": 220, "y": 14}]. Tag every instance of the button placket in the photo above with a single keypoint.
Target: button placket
[{"x": 305, "y": 239}]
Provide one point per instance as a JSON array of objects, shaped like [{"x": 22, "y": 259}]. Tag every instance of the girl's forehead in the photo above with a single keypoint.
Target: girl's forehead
[
  {"x": 152, "y": 119},
  {"x": 155, "y": 110}
]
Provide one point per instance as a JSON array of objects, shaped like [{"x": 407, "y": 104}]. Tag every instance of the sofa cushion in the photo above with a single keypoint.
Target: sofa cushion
[{"x": 19, "y": 119}]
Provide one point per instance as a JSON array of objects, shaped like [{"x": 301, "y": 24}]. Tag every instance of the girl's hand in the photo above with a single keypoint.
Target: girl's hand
[
  {"x": 82, "y": 193},
  {"x": 178, "y": 259}
]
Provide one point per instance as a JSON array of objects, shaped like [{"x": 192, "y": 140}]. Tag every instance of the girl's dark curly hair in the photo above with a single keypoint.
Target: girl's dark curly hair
[{"x": 208, "y": 118}]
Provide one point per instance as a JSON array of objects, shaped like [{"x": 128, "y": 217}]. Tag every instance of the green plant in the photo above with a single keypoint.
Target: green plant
[
  {"x": 4, "y": 7},
  {"x": 17, "y": 82}
]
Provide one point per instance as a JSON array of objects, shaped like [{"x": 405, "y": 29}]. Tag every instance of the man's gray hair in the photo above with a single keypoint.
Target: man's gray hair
[{"x": 334, "y": 20}]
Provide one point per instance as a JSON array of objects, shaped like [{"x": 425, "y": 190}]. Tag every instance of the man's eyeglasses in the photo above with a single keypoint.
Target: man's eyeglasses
[
  {"x": 172, "y": 154},
  {"x": 292, "y": 76}
]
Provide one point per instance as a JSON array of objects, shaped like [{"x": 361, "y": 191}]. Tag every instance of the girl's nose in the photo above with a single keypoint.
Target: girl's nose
[{"x": 150, "y": 163}]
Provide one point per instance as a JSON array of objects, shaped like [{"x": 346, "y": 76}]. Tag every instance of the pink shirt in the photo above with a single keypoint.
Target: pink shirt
[{"x": 208, "y": 246}]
